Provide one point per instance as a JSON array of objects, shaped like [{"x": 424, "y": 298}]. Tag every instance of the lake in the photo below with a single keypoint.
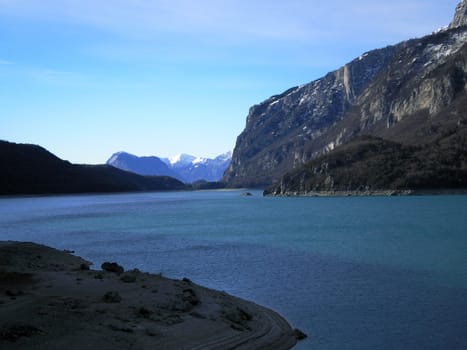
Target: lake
[{"x": 351, "y": 272}]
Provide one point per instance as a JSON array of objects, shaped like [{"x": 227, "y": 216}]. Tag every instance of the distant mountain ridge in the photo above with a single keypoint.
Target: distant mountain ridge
[
  {"x": 413, "y": 94},
  {"x": 148, "y": 166},
  {"x": 184, "y": 167},
  {"x": 31, "y": 169}
]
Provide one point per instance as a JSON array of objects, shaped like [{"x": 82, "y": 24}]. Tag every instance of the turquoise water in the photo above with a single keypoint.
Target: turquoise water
[{"x": 353, "y": 272}]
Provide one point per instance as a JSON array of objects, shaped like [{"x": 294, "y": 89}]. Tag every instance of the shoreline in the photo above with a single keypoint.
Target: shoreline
[
  {"x": 51, "y": 299},
  {"x": 370, "y": 193}
]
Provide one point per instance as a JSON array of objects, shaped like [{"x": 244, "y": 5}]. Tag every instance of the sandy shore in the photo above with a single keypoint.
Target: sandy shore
[{"x": 50, "y": 299}]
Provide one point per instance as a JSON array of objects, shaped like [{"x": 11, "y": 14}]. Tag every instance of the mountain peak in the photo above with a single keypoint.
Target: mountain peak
[
  {"x": 119, "y": 155},
  {"x": 227, "y": 156},
  {"x": 183, "y": 167},
  {"x": 181, "y": 159},
  {"x": 460, "y": 17}
]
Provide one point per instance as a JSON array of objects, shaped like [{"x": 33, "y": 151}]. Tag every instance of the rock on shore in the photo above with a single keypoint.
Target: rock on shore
[{"x": 50, "y": 299}]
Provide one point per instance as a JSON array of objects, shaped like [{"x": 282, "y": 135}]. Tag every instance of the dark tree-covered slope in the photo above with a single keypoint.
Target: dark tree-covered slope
[
  {"x": 370, "y": 164},
  {"x": 30, "y": 169}
]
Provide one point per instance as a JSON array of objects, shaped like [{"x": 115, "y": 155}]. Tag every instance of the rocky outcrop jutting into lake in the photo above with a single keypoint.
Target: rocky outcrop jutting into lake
[{"x": 50, "y": 299}]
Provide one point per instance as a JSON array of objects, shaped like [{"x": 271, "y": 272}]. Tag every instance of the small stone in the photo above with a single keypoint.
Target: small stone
[
  {"x": 112, "y": 267},
  {"x": 146, "y": 313},
  {"x": 244, "y": 315},
  {"x": 13, "y": 292},
  {"x": 14, "y": 332},
  {"x": 237, "y": 327},
  {"x": 238, "y": 316},
  {"x": 197, "y": 315},
  {"x": 298, "y": 334},
  {"x": 128, "y": 278},
  {"x": 187, "y": 280},
  {"x": 189, "y": 296},
  {"x": 112, "y": 297},
  {"x": 151, "y": 332},
  {"x": 120, "y": 328}
]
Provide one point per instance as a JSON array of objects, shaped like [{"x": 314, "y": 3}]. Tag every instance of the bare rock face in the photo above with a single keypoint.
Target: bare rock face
[
  {"x": 460, "y": 18},
  {"x": 284, "y": 124},
  {"x": 406, "y": 93}
]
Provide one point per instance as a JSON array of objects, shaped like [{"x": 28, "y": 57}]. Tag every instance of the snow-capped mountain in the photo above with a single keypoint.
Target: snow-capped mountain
[
  {"x": 184, "y": 167},
  {"x": 179, "y": 160},
  {"x": 202, "y": 168}
]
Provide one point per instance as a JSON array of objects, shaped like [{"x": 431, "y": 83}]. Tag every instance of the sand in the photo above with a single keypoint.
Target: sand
[{"x": 50, "y": 299}]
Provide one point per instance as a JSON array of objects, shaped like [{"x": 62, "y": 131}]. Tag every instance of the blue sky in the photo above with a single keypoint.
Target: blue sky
[{"x": 86, "y": 78}]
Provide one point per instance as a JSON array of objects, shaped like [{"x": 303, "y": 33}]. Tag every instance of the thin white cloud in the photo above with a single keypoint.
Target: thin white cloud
[
  {"x": 319, "y": 34},
  {"x": 5, "y": 62},
  {"x": 57, "y": 77},
  {"x": 44, "y": 76},
  {"x": 146, "y": 19},
  {"x": 239, "y": 20},
  {"x": 70, "y": 79}
]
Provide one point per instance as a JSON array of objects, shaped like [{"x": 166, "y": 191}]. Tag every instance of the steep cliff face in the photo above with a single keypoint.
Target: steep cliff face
[
  {"x": 416, "y": 89},
  {"x": 460, "y": 18},
  {"x": 278, "y": 129},
  {"x": 399, "y": 93}
]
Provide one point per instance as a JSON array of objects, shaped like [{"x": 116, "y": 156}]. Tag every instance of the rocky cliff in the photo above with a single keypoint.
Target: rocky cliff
[
  {"x": 460, "y": 17},
  {"x": 410, "y": 93}
]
